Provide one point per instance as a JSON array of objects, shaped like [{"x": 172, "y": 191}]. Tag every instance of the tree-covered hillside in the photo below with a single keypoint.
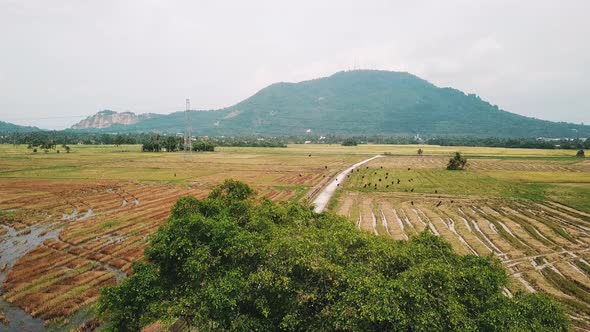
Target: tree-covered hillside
[
  {"x": 362, "y": 102},
  {"x": 226, "y": 264},
  {"x": 6, "y": 127}
]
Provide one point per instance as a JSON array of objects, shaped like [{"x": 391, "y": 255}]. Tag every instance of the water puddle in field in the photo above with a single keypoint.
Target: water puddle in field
[
  {"x": 17, "y": 320},
  {"x": 87, "y": 215},
  {"x": 119, "y": 275},
  {"x": 13, "y": 245},
  {"x": 70, "y": 216}
]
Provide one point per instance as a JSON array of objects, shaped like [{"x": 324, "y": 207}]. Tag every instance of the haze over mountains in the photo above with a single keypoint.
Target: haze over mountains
[{"x": 360, "y": 102}]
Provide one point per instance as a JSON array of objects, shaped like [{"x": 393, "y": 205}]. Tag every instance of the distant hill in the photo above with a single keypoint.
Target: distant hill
[
  {"x": 107, "y": 118},
  {"x": 361, "y": 102},
  {"x": 10, "y": 127}
]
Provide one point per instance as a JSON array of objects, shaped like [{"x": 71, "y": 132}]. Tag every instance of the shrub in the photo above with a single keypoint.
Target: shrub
[{"x": 457, "y": 162}]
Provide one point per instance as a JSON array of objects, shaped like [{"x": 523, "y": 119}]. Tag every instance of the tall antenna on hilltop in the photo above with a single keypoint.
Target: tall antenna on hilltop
[{"x": 188, "y": 132}]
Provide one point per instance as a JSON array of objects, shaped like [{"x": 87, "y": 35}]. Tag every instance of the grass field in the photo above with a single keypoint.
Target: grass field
[{"x": 82, "y": 218}]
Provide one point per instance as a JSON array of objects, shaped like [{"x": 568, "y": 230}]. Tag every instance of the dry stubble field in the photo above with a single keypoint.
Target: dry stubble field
[
  {"x": 73, "y": 223},
  {"x": 530, "y": 211}
]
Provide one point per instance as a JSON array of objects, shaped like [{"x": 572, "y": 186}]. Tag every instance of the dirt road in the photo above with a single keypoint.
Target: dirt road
[{"x": 324, "y": 196}]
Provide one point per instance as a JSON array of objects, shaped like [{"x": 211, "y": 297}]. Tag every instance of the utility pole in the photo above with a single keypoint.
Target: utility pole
[{"x": 188, "y": 132}]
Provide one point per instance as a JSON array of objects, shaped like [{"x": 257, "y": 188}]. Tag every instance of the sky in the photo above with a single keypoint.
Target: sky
[{"x": 61, "y": 61}]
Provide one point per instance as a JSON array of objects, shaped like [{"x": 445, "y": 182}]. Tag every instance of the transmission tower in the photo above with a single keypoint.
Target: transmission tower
[{"x": 188, "y": 132}]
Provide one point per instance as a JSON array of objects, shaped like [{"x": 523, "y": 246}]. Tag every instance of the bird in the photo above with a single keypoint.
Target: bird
[
  {"x": 310, "y": 154},
  {"x": 412, "y": 190}
]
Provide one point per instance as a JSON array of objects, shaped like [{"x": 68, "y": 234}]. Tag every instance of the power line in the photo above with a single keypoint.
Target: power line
[{"x": 188, "y": 134}]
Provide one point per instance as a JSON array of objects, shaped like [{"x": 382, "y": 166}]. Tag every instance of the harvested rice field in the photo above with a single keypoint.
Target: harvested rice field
[
  {"x": 531, "y": 213},
  {"x": 73, "y": 223}
]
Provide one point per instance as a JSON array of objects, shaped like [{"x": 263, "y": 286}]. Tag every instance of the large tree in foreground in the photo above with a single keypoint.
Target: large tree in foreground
[{"x": 224, "y": 263}]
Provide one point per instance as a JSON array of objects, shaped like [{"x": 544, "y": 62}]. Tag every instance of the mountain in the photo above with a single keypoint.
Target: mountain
[
  {"x": 361, "y": 102},
  {"x": 107, "y": 118},
  {"x": 10, "y": 127}
]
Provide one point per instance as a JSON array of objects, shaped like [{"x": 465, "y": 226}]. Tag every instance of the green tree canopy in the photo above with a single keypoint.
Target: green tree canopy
[
  {"x": 225, "y": 263},
  {"x": 458, "y": 162}
]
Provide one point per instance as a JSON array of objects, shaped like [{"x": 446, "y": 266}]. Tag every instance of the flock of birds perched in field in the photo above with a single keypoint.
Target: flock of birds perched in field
[{"x": 382, "y": 180}]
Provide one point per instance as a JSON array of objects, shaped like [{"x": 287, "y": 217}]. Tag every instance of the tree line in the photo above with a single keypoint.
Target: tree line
[
  {"x": 69, "y": 137},
  {"x": 156, "y": 143}
]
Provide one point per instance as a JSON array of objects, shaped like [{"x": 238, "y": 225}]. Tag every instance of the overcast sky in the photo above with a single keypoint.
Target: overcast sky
[{"x": 63, "y": 60}]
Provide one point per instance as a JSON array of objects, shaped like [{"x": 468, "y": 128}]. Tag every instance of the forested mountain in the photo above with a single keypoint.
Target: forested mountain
[
  {"x": 358, "y": 103},
  {"x": 10, "y": 127}
]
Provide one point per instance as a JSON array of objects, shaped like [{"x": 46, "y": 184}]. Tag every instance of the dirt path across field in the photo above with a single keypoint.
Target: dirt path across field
[{"x": 324, "y": 196}]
